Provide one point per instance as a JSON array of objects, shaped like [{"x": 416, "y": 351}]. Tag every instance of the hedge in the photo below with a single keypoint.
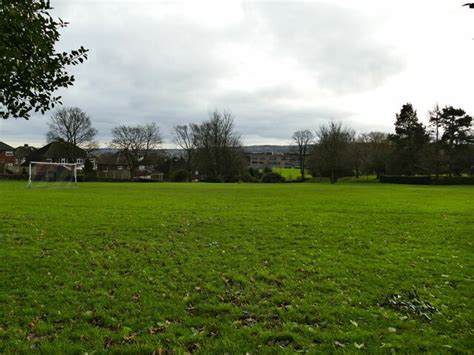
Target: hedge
[
  {"x": 13, "y": 177},
  {"x": 427, "y": 180}
]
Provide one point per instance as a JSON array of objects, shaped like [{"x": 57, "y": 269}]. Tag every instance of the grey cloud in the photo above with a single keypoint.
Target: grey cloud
[
  {"x": 336, "y": 45},
  {"x": 259, "y": 113}
]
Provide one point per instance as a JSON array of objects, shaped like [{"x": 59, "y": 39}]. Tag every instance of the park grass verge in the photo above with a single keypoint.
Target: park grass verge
[{"x": 236, "y": 268}]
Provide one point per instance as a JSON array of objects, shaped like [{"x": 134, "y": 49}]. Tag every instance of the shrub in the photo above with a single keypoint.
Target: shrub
[
  {"x": 246, "y": 177},
  {"x": 88, "y": 170},
  {"x": 401, "y": 179},
  {"x": 179, "y": 175},
  {"x": 272, "y": 178},
  {"x": 256, "y": 173}
]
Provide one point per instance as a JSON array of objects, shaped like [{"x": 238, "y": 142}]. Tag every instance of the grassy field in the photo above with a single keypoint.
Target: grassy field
[
  {"x": 236, "y": 268},
  {"x": 291, "y": 173}
]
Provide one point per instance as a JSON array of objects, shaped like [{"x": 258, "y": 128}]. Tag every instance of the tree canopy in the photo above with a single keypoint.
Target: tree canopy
[
  {"x": 331, "y": 156},
  {"x": 72, "y": 125},
  {"x": 409, "y": 138},
  {"x": 218, "y": 148},
  {"x": 184, "y": 139},
  {"x": 136, "y": 142},
  {"x": 303, "y": 140},
  {"x": 30, "y": 68},
  {"x": 457, "y": 134}
]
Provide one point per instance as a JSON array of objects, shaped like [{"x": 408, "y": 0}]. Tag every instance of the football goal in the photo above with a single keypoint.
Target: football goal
[{"x": 43, "y": 174}]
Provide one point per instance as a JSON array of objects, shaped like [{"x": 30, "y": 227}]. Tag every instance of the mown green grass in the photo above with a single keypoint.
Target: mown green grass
[
  {"x": 234, "y": 268},
  {"x": 291, "y": 174}
]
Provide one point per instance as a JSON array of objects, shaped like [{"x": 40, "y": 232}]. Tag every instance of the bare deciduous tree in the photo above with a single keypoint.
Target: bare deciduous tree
[
  {"x": 303, "y": 140},
  {"x": 184, "y": 138},
  {"x": 136, "y": 142},
  {"x": 218, "y": 147},
  {"x": 332, "y": 153},
  {"x": 73, "y": 126},
  {"x": 377, "y": 150},
  {"x": 358, "y": 153}
]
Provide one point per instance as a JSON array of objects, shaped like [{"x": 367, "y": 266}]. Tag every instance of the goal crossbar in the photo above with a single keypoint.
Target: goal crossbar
[{"x": 48, "y": 163}]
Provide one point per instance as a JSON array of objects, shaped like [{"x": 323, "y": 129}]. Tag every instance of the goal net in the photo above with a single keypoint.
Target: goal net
[{"x": 42, "y": 174}]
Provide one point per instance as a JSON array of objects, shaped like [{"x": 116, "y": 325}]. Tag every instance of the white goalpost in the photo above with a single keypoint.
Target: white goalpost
[{"x": 47, "y": 174}]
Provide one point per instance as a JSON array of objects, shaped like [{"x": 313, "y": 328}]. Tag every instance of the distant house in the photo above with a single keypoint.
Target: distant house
[
  {"x": 112, "y": 162},
  {"x": 113, "y": 166},
  {"x": 116, "y": 166},
  {"x": 149, "y": 167},
  {"x": 7, "y": 158},
  {"x": 59, "y": 152},
  {"x": 271, "y": 160}
]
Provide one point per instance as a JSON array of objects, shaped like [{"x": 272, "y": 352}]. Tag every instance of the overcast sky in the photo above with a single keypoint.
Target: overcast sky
[{"x": 278, "y": 66}]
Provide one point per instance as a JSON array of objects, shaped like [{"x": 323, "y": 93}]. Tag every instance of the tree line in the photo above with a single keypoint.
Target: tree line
[
  {"x": 213, "y": 148},
  {"x": 445, "y": 146}
]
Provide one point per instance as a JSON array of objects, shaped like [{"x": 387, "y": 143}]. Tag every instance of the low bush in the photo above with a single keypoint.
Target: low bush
[
  {"x": 179, "y": 176},
  {"x": 272, "y": 178},
  {"x": 246, "y": 177}
]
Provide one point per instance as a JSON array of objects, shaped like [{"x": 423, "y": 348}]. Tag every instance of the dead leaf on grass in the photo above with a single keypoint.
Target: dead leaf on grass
[{"x": 34, "y": 322}]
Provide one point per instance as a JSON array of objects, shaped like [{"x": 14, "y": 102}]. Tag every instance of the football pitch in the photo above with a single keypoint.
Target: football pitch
[{"x": 236, "y": 268}]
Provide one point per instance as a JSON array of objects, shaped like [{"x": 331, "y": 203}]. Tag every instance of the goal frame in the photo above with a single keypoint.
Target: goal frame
[{"x": 73, "y": 165}]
